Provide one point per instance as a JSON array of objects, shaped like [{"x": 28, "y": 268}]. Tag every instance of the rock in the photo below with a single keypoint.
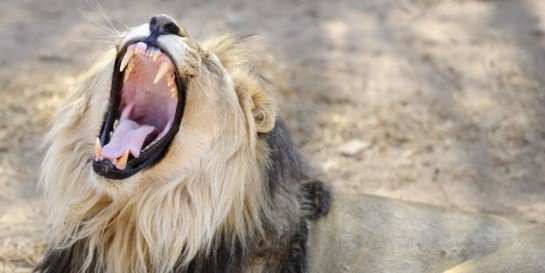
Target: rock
[{"x": 353, "y": 147}]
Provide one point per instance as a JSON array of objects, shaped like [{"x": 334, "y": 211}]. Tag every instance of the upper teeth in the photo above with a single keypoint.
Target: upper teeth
[
  {"x": 98, "y": 149},
  {"x": 141, "y": 47},
  {"x": 162, "y": 71},
  {"x": 165, "y": 68},
  {"x": 126, "y": 58}
]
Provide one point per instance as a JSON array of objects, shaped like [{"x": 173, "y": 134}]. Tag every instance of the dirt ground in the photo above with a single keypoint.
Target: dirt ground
[{"x": 433, "y": 101}]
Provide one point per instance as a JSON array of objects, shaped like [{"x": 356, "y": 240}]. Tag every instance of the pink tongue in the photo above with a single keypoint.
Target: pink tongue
[{"x": 128, "y": 135}]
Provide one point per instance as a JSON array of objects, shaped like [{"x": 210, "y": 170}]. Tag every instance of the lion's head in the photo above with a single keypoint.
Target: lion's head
[{"x": 158, "y": 151}]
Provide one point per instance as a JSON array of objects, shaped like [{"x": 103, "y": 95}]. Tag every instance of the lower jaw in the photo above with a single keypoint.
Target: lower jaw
[{"x": 107, "y": 169}]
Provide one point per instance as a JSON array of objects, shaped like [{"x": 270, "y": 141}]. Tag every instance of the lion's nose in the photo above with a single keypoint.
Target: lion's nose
[{"x": 162, "y": 25}]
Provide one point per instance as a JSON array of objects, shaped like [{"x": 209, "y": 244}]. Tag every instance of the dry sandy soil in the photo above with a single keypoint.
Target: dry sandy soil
[{"x": 432, "y": 101}]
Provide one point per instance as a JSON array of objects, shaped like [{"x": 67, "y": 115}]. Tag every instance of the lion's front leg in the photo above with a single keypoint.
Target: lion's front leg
[{"x": 297, "y": 261}]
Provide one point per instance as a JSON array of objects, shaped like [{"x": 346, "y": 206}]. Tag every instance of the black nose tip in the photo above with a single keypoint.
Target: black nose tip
[{"x": 163, "y": 25}]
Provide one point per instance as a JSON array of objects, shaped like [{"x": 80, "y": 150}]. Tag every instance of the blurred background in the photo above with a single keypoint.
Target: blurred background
[{"x": 433, "y": 101}]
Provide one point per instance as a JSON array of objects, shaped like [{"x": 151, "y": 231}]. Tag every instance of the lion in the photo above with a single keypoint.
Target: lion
[
  {"x": 169, "y": 156},
  {"x": 372, "y": 234}
]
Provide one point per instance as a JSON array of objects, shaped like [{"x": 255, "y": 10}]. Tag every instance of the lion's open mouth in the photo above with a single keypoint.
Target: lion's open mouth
[{"x": 144, "y": 112}]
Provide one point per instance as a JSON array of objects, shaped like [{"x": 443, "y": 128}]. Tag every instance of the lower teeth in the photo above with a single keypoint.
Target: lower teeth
[{"x": 150, "y": 145}]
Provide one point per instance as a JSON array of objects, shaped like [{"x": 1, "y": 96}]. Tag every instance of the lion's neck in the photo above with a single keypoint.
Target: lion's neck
[{"x": 166, "y": 227}]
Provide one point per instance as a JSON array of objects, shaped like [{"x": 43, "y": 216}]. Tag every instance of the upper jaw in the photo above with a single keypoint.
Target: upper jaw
[
  {"x": 113, "y": 163},
  {"x": 166, "y": 67},
  {"x": 136, "y": 34}
]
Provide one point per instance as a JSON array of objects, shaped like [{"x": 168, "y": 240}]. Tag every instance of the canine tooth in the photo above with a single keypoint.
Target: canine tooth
[
  {"x": 156, "y": 55},
  {"x": 98, "y": 148},
  {"x": 116, "y": 123},
  {"x": 174, "y": 93},
  {"x": 163, "y": 69},
  {"x": 122, "y": 162},
  {"x": 126, "y": 59}
]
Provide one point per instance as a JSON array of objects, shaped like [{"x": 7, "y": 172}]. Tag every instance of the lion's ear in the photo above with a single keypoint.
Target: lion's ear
[
  {"x": 264, "y": 112},
  {"x": 253, "y": 97}
]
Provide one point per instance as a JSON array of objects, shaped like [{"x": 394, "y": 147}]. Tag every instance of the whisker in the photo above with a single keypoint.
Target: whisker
[
  {"x": 104, "y": 36},
  {"x": 96, "y": 41},
  {"x": 116, "y": 26},
  {"x": 98, "y": 24}
]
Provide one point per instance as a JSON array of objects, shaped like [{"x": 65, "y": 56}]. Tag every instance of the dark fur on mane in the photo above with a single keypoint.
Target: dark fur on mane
[{"x": 285, "y": 249}]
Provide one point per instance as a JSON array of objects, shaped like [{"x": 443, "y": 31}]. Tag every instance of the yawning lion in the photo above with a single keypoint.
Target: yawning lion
[{"x": 169, "y": 157}]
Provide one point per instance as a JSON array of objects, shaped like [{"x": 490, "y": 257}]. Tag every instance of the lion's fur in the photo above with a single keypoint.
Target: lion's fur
[
  {"x": 210, "y": 191},
  {"x": 376, "y": 234}
]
